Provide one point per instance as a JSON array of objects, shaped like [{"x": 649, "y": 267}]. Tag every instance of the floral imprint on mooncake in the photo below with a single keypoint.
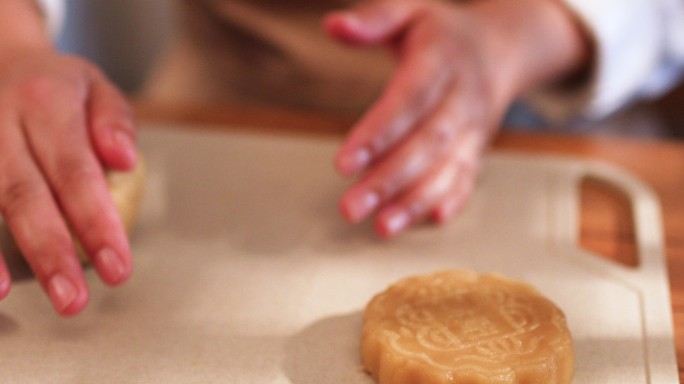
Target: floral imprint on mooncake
[{"x": 460, "y": 327}]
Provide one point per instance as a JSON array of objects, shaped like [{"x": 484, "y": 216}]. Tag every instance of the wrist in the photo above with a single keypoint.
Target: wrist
[{"x": 533, "y": 42}]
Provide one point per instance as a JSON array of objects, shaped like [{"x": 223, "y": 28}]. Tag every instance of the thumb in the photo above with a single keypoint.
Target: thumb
[{"x": 375, "y": 22}]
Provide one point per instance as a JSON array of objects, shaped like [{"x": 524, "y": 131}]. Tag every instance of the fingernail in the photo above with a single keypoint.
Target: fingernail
[
  {"x": 126, "y": 144},
  {"x": 62, "y": 292},
  {"x": 397, "y": 221},
  {"x": 362, "y": 205},
  {"x": 344, "y": 16},
  {"x": 356, "y": 161},
  {"x": 351, "y": 18},
  {"x": 5, "y": 285},
  {"x": 110, "y": 264}
]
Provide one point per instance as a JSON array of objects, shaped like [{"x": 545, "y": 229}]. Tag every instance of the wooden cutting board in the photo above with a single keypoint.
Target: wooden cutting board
[{"x": 246, "y": 273}]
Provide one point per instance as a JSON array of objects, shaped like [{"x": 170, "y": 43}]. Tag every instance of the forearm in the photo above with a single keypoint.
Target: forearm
[
  {"x": 533, "y": 42},
  {"x": 22, "y": 27}
]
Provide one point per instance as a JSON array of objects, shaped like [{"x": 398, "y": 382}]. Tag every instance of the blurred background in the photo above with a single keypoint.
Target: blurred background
[{"x": 125, "y": 37}]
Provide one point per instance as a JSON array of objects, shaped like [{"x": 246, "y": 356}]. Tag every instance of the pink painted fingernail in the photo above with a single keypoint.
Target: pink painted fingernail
[
  {"x": 62, "y": 292},
  {"x": 110, "y": 263}
]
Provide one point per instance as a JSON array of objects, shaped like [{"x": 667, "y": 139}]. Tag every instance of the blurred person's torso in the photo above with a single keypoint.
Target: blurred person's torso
[{"x": 267, "y": 52}]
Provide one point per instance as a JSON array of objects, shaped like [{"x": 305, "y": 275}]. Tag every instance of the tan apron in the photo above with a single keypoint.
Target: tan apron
[{"x": 266, "y": 52}]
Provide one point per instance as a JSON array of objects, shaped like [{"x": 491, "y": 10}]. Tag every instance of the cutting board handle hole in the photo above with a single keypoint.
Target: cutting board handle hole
[{"x": 607, "y": 222}]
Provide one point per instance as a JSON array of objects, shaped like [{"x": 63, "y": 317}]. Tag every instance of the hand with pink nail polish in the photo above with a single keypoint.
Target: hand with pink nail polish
[
  {"x": 61, "y": 122},
  {"x": 418, "y": 150}
]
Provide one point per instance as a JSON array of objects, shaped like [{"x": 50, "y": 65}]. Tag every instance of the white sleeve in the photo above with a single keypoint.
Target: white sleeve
[
  {"x": 639, "y": 53},
  {"x": 53, "y": 11}
]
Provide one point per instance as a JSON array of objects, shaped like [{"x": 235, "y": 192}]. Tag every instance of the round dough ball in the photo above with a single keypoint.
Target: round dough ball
[{"x": 457, "y": 326}]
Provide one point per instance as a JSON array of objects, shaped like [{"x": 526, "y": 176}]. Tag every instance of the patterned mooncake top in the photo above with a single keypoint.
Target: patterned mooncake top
[{"x": 457, "y": 326}]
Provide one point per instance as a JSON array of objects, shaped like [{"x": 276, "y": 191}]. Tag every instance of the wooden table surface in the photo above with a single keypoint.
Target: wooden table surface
[{"x": 605, "y": 216}]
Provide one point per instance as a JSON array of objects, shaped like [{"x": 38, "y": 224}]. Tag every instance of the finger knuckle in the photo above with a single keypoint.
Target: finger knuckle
[
  {"x": 388, "y": 187},
  {"x": 442, "y": 135},
  {"x": 416, "y": 207},
  {"x": 17, "y": 195},
  {"x": 74, "y": 173},
  {"x": 43, "y": 90}
]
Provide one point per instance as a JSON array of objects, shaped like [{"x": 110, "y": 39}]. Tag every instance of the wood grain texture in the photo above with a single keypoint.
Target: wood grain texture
[
  {"x": 606, "y": 214},
  {"x": 660, "y": 164}
]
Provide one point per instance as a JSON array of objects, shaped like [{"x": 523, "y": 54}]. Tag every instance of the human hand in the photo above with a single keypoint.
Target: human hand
[
  {"x": 419, "y": 148},
  {"x": 62, "y": 121}
]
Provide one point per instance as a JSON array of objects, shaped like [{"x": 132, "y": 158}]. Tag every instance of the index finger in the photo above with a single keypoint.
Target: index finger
[
  {"x": 35, "y": 221},
  {"x": 61, "y": 145},
  {"x": 417, "y": 87}
]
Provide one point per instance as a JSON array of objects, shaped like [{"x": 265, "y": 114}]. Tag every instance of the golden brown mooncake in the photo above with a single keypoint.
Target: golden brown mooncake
[{"x": 459, "y": 327}]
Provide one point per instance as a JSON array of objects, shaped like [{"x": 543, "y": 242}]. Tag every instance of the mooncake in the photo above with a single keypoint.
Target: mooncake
[{"x": 457, "y": 326}]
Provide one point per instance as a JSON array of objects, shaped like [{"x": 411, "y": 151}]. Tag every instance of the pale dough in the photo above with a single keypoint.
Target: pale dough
[
  {"x": 127, "y": 192},
  {"x": 457, "y": 326}
]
